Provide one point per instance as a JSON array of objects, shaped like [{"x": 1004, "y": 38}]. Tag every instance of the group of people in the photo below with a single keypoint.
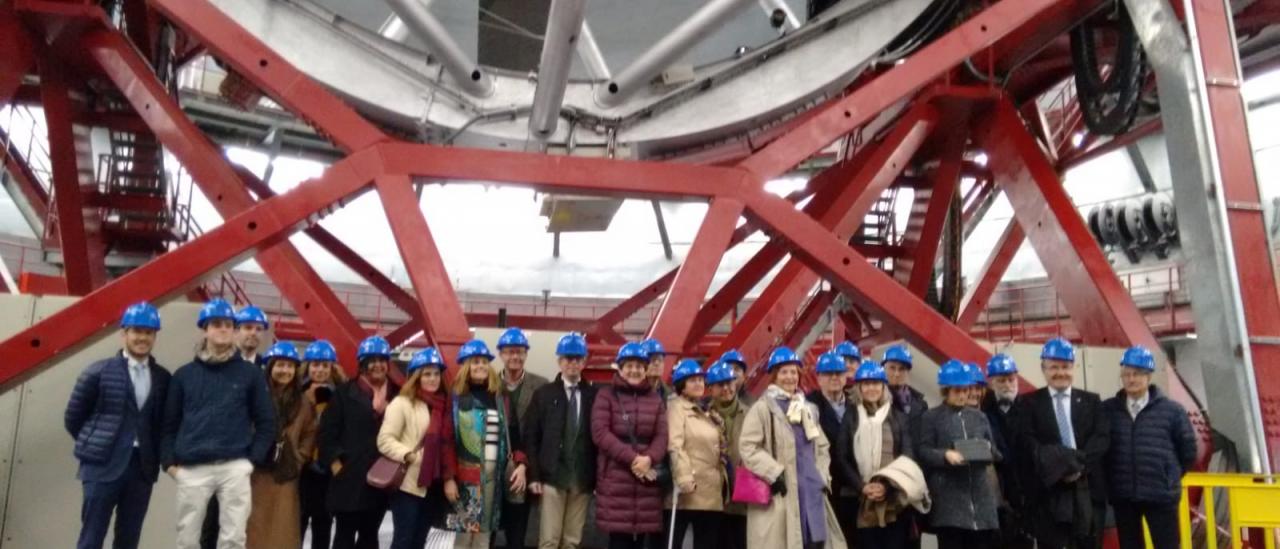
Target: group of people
[{"x": 266, "y": 447}]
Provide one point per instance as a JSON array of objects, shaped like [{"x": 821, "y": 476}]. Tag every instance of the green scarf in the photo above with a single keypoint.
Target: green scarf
[{"x": 728, "y": 413}]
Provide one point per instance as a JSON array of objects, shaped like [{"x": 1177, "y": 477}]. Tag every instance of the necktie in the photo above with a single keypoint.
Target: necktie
[
  {"x": 1064, "y": 421},
  {"x": 573, "y": 408},
  {"x": 141, "y": 385},
  {"x": 1134, "y": 408}
]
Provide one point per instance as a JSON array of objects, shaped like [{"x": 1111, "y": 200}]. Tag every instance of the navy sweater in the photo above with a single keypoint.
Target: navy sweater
[
  {"x": 217, "y": 412},
  {"x": 1148, "y": 456}
]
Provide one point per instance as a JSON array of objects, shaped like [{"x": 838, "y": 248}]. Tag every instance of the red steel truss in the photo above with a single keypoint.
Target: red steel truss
[{"x": 946, "y": 116}]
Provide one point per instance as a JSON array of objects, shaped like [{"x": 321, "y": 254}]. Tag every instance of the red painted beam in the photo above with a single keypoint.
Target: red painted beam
[
  {"x": 314, "y": 301},
  {"x": 762, "y": 325},
  {"x": 83, "y": 262},
  {"x": 808, "y": 318},
  {"x": 850, "y": 273},
  {"x": 30, "y": 351},
  {"x": 270, "y": 72},
  {"x": 694, "y": 277},
  {"x": 927, "y": 65},
  {"x": 1093, "y": 295},
  {"x": 439, "y": 305},
  {"x": 19, "y": 54},
  {"x": 979, "y": 294},
  {"x": 946, "y": 180}
]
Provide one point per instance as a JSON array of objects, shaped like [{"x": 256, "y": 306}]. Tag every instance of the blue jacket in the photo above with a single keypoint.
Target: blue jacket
[
  {"x": 104, "y": 419},
  {"x": 217, "y": 412},
  {"x": 1148, "y": 456}
]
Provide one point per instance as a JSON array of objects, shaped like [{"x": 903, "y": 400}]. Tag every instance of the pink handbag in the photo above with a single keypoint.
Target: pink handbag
[{"x": 749, "y": 488}]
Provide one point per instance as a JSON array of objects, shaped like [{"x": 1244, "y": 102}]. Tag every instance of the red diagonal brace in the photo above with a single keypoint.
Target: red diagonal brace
[
  {"x": 866, "y": 285},
  {"x": 694, "y": 277},
  {"x": 975, "y": 300},
  {"x": 19, "y": 55},
  {"x": 945, "y": 181},
  {"x": 83, "y": 255},
  {"x": 761, "y": 327},
  {"x": 1101, "y": 308},
  {"x": 314, "y": 301},
  {"x": 171, "y": 274},
  {"x": 446, "y": 322},
  {"x": 809, "y": 317},
  {"x": 927, "y": 65}
]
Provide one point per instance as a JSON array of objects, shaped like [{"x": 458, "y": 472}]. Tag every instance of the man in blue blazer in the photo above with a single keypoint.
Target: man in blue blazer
[{"x": 114, "y": 415}]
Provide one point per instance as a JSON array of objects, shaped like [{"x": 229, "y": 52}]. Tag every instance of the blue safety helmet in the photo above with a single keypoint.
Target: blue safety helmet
[
  {"x": 733, "y": 356},
  {"x": 284, "y": 350},
  {"x": 513, "y": 337},
  {"x": 572, "y": 344},
  {"x": 252, "y": 315},
  {"x": 720, "y": 372},
  {"x": 632, "y": 351},
  {"x": 781, "y": 357},
  {"x": 954, "y": 373},
  {"x": 1138, "y": 357},
  {"x": 870, "y": 370},
  {"x": 474, "y": 348},
  {"x": 831, "y": 362},
  {"x": 373, "y": 346},
  {"x": 320, "y": 351},
  {"x": 975, "y": 372},
  {"x": 141, "y": 315},
  {"x": 426, "y": 357},
  {"x": 1001, "y": 365},
  {"x": 653, "y": 347},
  {"x": 685, "y": 369},
  {"x": 897, "y": 353},
  {"x": 216, "y": 308},
  {"x": 848, "y": 350},
  {"x": 1058, "y": 349}
]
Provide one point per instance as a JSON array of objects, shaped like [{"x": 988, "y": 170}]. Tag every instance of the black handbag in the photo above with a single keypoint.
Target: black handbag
[{"x": 662, "y": 468}]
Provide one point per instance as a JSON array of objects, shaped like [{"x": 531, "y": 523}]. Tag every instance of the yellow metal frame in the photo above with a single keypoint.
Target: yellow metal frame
[{"x": 1253, "y": 502}]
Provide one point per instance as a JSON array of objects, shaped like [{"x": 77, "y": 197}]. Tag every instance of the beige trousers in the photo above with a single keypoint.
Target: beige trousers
[
  {"x": 197, "y": 484},
  {"x": 564, "y": 512}
]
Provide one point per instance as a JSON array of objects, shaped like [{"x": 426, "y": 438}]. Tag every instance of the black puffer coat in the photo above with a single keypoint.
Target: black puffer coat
[{"x": 1149, "y": 455}]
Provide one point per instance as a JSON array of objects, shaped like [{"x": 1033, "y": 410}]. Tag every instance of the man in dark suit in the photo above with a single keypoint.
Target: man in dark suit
[
  {"x": 1063, "y": 442},
  {"x": 558, "y": 445},
  {"x": 831, "y": 402},
  {"x": 1001, "y": 409},
  {"x": 114, "y": 415}
]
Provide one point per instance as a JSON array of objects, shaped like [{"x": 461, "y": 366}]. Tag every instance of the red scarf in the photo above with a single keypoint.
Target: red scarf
[{"x": 433, "y": 443}]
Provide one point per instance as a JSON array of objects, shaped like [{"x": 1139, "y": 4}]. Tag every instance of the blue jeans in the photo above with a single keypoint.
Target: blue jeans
[
  {"x": 413, "y": 517},
  {"x": 128, "y": 497}
]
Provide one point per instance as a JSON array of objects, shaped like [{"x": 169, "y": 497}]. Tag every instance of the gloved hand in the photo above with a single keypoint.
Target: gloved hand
[{"x": 779, "y": 486}]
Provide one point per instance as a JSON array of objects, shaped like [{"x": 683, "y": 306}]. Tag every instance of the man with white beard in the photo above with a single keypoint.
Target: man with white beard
[{"x": 998, "y": 405}]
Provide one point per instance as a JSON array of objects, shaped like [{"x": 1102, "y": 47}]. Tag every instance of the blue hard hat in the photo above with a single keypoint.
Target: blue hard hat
[
  {"x": 734, "y": 356},
  {"x": 426, "y": 357},
  {"x": 373, "y": 346},
  {"x": 954, "y": 373},
  {"x": 474, "y": 348},
  {"x": 653, "y": 347},
  {"x": 141, "y": 315},
  {"x": 252, "y": 314},
  {"x": 1138, "y": 357},
  {"x": 870, "y": 370},
  {"x": 1000, "y": 365},
  {"x": 572, "y": 344},
  {"x": 783, "y": 356},
  {"x": 831, "y": 362},
  {"x": 975, "y": 372},
  {"x": 1058, "y": 349},
  {"x": 282, "y": 349},
  {"x": 320, "y": 351},
  {"x": 632, "y": 351},
  {"x": 848, "y": 350},
  {"x": 720, "y": 372},
  {"x": 897, "y": 353},
  {"x": 216, "y": 308},
  {"x": 685, "y": 369},
  {"x": 513, "y": 337}
]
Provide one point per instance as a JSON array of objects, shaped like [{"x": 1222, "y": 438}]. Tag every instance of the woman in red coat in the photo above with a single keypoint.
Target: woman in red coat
[{"x": 629, "y": 427}]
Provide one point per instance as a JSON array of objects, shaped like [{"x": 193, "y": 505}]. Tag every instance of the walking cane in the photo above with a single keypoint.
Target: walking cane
[{"x": 675, "y": 503}]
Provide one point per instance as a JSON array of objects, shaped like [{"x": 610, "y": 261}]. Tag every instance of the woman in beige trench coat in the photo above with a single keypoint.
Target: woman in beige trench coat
[{"x": 769, "y": 448}]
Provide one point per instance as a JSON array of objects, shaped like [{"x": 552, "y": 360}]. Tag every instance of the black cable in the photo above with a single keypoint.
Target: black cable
[{"x": 1109, "y": 104}]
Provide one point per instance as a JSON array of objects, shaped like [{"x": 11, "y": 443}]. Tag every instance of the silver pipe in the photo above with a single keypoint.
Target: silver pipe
[
  {"x": 769, "y": 6},
  {"x": 394, "y": 29},
  {"x": 658, "y": 57},
  {"x": 589, "y": 51},
  {"x": 426, "y": 27},
  {"x": 564, "y": 26}
]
